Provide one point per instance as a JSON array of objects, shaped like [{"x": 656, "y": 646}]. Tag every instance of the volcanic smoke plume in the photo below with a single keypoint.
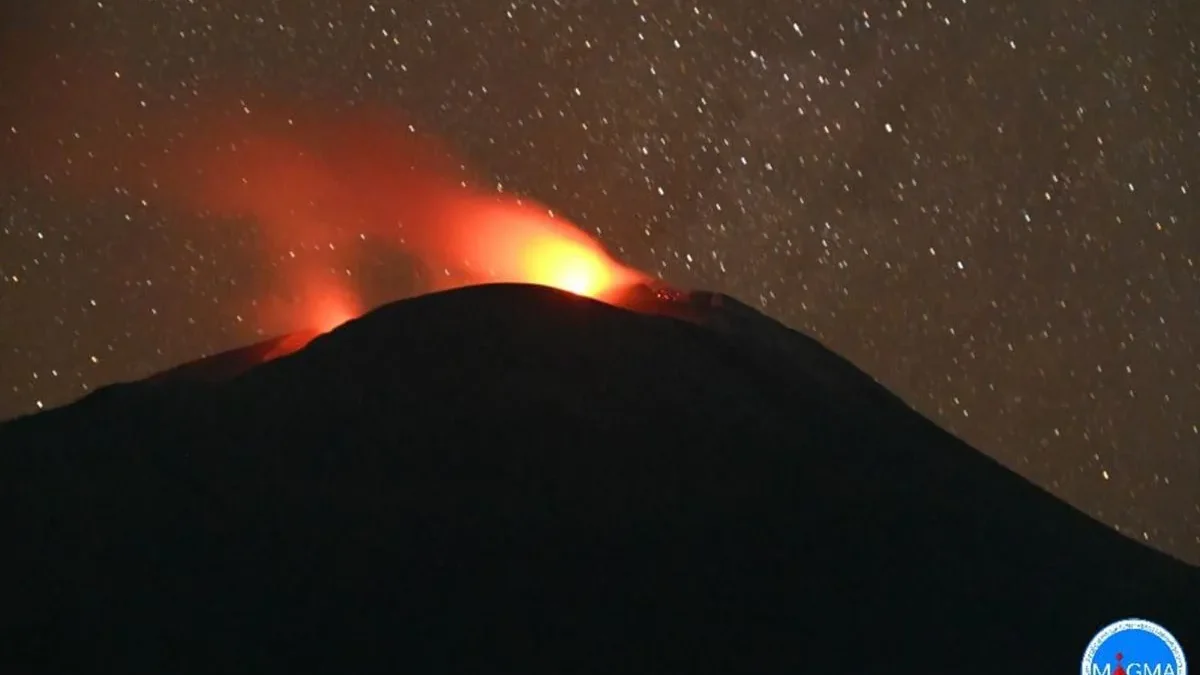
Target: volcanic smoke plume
[{"x": 307, "y": 174}]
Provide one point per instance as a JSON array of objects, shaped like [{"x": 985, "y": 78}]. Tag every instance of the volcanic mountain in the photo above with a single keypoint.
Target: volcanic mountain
[{"x": 509, "y": 478}]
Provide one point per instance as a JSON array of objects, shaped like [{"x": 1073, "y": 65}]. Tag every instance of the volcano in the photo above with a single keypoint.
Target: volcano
[{"x": 509, "y": 478}]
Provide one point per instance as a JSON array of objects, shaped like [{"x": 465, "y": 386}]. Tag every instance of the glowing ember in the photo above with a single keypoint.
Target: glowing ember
[
  {"x": 332, "y": 310},
  {"x": 520, "y": 242},
  {"x": 567, "y": 266}
]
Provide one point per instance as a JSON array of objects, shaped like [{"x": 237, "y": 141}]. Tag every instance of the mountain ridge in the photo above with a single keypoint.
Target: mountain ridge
[{"x": 674, "y": 483}]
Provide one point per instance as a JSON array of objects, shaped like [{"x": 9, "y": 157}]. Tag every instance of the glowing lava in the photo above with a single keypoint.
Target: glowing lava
[
  {"x": 567, "y": 266},
  {"x": 330, "y": 309},
  {"x": 517, "y": 241}
]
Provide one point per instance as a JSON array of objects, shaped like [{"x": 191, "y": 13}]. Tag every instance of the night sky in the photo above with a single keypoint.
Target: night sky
[{"x": 989, "y": 206}]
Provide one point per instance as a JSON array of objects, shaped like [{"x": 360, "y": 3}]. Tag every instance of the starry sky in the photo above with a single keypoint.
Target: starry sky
[{"x": 989, "y": 206}]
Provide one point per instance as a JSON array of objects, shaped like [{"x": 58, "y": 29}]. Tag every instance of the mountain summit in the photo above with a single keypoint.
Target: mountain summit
[{"x": 508, "y": 478}]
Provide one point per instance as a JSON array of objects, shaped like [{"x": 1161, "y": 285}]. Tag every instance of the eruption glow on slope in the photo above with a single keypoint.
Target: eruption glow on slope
[
  {"x": 310, "y": 177},
  {"x": 511, "y": 241}
]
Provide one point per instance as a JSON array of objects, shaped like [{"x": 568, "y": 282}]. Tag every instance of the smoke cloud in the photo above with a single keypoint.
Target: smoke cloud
[{"x": 307, "y": 173}]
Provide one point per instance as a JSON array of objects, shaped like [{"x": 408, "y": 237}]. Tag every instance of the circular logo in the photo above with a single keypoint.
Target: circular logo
[{"x": 1134, "y": 647}]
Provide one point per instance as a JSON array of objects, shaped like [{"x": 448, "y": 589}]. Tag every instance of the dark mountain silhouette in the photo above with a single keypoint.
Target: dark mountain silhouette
[{"x": 509, "y": 479}]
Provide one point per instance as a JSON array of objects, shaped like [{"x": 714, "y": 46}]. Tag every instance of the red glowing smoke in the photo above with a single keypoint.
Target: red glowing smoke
[{"x": 308, "y": 175}]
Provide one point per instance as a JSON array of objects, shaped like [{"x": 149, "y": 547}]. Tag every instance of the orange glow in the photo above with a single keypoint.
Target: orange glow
[
  {"x": 566, "y": 266},
  {"x": 330, "y": 309},
  {"x": 511, "y": 241},
  {"x": 326, "y": 187},
  {"x": 289, "y": 344}
]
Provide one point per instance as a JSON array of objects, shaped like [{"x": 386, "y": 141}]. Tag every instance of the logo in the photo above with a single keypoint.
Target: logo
[{"x": 1134, "y": 647}]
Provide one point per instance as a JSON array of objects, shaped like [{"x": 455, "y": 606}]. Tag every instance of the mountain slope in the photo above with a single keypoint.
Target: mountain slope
[{"x": 511, "y": 479}]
